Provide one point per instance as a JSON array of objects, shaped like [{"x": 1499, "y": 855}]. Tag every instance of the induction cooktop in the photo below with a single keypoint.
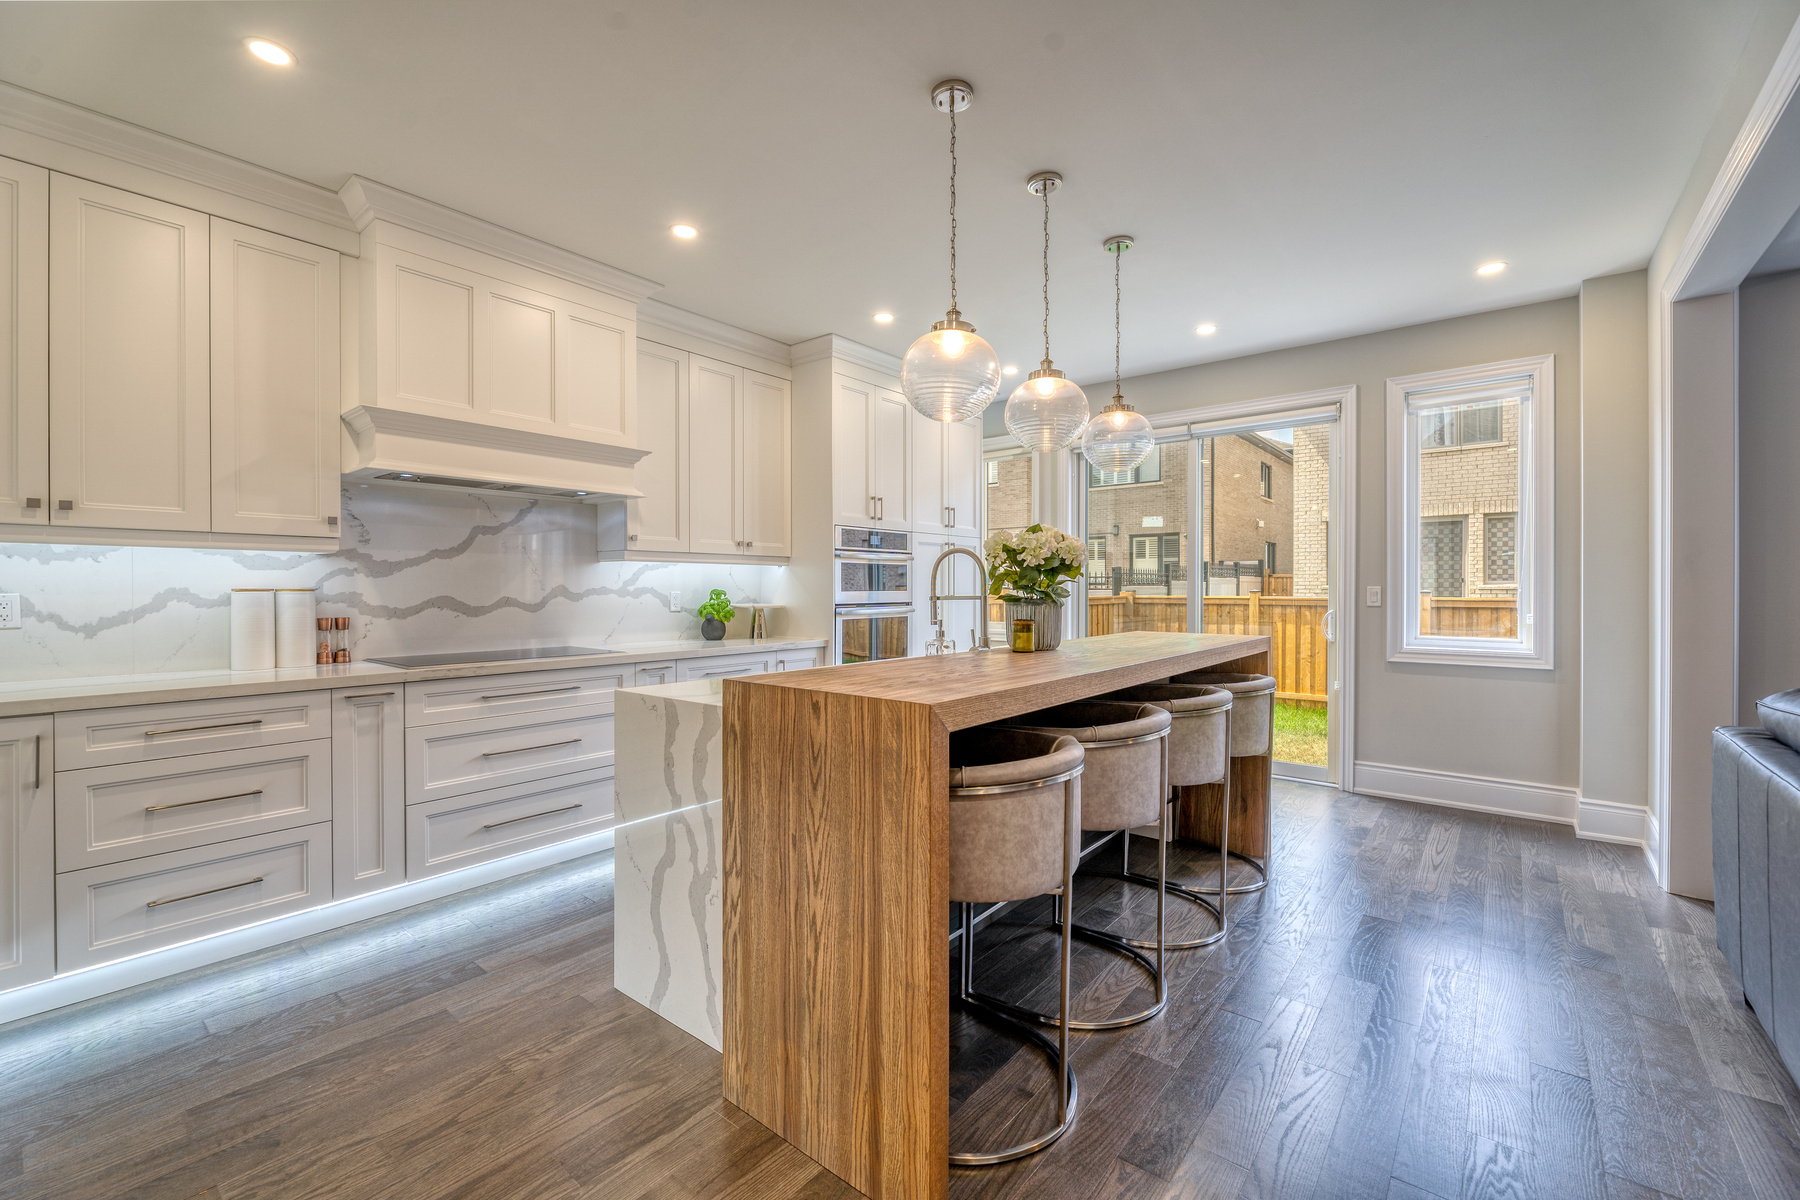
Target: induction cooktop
[{"x": 458, "y": 658}]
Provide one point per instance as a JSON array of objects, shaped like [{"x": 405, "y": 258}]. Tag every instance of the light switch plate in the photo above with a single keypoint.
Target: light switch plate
[
  {"x": 1374, "y": 597},
  {"x": 9, "y": 610},
  {"x": 674, "y": 601}
]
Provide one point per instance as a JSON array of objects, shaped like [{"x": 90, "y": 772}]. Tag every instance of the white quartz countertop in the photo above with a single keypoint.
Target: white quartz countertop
[
  {"x": 113, "y": 691},
  {"x": 696, "y": 691}
]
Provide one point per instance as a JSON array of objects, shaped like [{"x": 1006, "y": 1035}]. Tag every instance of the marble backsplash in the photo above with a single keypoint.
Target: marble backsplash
[{"x": 419, "y": 571}]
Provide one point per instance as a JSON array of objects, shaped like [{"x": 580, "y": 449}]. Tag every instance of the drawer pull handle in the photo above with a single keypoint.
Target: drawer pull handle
[
  {"x": 525, "y": 749},
  {"x": 573, "y": 687},
  {"x": 209, "y": 891},
  {"x": 208, "y": 800},
  {"x": 549, "y": 812},
  {"x": 369, "y": 696},
  {"x": 201, "y": 728}
]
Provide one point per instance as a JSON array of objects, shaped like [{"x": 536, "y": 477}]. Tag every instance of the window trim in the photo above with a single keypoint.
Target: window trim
[{"x": 1535, "y": 587}]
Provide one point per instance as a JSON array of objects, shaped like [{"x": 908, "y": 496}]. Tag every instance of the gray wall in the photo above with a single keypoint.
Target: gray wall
[
  {"x": 1499, "y": 722},
  {"x": 1615, "y": 572},
  {"x": 1768, "y": 489}
]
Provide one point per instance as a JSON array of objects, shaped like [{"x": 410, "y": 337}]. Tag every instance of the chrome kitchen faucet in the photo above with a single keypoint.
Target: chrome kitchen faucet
[{"x": 941, "y": 644}]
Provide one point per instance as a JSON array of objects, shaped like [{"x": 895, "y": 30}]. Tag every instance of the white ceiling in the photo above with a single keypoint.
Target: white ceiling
[{"x": 1293, "y": 171}]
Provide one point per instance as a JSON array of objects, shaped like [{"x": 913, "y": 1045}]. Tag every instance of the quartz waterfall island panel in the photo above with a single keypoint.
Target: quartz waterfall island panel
[{"x": 836, "y": 835}]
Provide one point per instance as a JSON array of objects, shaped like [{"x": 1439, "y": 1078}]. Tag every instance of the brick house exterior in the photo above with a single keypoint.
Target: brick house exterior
[
  {"x": 1312, "y": 510},
  {"x": 1469, "y": 494},
  {"x": 1008, "y": 492}
]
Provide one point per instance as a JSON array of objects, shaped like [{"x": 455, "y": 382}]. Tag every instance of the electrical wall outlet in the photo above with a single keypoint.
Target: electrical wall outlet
[
  {"x": 674, "y": 601},
  {"x": 1374, "y": 597},
  {"x": 9, "y": 610}
]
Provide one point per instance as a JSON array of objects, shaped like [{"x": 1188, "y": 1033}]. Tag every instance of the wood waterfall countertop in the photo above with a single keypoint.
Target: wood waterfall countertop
[{"x": 836, "y": 847}]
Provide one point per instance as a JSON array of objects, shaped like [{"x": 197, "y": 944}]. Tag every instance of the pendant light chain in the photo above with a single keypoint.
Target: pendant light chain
[
  {"x": 1046, "y": 275},
  {"x": 1118, "y": 253},
  {"x": 953, "y": 204}
]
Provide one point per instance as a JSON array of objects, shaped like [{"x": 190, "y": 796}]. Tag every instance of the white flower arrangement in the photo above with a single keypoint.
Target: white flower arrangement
[{"x": 1029, "y": 567}]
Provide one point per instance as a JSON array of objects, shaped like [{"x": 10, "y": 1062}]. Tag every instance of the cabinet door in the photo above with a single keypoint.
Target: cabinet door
[
  {"x": 129, "y": 422},
  {"x": 596, "y": 384},
  {"x": 274, "y": 383},
  {"x": 24, "y": 343},
  {"x": 768, "y": 466},
  {"x": 890, "y": 452},
  {"x": 963, "y": 482},
  {"x": 658, "y": 522},
  {"x": 925, "y": 548},
  {"x": 715, "y": 483},
  {"x": 368, "y": 791},
  {"x": 27, "y": 852},
  {"x": 930, "y": 510},
  {"x": 852, "y": 489}
]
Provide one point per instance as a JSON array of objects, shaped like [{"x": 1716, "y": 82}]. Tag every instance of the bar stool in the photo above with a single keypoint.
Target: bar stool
[
  {"x": 1199, "y": 737},
  {"x": 1014, "y": 834},
  {"x": 1252, "y": 736},
  {"x": 1124, "y": 779}
]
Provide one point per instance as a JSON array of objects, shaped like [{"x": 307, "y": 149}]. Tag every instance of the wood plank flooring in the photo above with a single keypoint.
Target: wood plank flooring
[{"x": 1424, "y": 1003}]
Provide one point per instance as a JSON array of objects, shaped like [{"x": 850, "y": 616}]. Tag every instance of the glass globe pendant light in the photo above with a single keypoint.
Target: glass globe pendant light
[
  {"x": 1120, "y": 437},
  {"x": 1047, "y": 412},
  {"x": 950, "y": 374}
]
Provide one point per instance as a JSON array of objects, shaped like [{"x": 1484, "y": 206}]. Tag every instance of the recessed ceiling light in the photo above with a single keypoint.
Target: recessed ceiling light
[
  {"x": 1490, "y": 268},
  {"x": 883, "y": 318},
  {"x": 1206, "y": 330},
  {"x": 683, "y": 231},
  {"x": 269, "y": 52},
  {"x": 1009, "y": 370}
]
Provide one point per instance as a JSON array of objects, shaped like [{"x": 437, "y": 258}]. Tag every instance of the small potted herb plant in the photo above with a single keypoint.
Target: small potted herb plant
[{"x": 715, "y": 613}]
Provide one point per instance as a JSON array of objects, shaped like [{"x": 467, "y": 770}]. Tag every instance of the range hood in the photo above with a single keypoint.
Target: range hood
[{"x": 394, "y": 446}]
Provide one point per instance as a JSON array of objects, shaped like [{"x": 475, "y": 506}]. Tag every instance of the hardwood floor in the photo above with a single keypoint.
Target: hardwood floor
[{"x": 1424, "y": 1003}]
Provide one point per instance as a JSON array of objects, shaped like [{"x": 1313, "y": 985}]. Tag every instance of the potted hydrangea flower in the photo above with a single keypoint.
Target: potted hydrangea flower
[{"x": 1027, "y": 570}]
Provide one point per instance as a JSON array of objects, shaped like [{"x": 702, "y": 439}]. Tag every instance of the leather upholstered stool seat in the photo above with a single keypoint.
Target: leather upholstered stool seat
[
  {"x": 1252, "y": 736},
  {"x": 1123, "y": 785},
  {"x": 1199, "y": 736},
  {"x": 1015, "y": 833}
]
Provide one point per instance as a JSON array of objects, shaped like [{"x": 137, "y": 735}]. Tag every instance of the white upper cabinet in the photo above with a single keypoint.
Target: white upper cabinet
[
  {"x": 275, "y": 392},
  {"x": 715, "y": 456},
  {"x": 658, "y": 522},
  {"x": 768, "y": 505},
  {"x": 464, "y": 343},
  {"x": 871, "y": 453},
  {"x": 24, "y": 343},
  {"x": 129, "y": 414},
  {"x": 946, "y": 472},
  {"x": 718, "y": 480}
]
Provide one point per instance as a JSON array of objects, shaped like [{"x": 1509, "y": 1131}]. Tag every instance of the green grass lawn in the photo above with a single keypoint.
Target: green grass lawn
[{"x": 1299, "y": 734}]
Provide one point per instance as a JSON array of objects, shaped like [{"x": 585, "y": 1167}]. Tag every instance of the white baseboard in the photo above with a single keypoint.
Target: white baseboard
[
  {"x": 1596, "y": 820},
  {"x": 172, "y": 960}
]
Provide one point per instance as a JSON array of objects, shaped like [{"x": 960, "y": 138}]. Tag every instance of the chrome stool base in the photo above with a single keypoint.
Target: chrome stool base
[
  {"x": 1210, "y": 903},
  {"x": 1111, "y": 941},
  {"x": 988, "y": 1011},
  {"x": 1260, "y": 865}
]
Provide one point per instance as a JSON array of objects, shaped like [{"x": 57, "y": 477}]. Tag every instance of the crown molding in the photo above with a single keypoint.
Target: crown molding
[
  {"x": 368, "y": 201},
  {"x": 680, "y": 320},
  {"x": 833, "y": 345},
  {"x": 59, "y": 121}
]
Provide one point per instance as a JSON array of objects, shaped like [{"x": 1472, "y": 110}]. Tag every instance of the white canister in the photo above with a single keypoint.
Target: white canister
[
  {"x": 295, "y": 642},
  {"x": 252, "y": 629}
]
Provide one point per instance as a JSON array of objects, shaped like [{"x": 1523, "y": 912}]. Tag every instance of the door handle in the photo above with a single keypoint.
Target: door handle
[
  {"x": 881, "y": 508},
  {"x": 871, "y": 508},
  {"x": 1329, "y": 624},
  {"x": 32, "y": 502},
  {"x": 65, "y": 506},
  {"x": 37, "y": 762}
]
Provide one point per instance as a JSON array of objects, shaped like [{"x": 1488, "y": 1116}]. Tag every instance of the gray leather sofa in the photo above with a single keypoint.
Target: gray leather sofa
[{"x": 1756, "y": 864}]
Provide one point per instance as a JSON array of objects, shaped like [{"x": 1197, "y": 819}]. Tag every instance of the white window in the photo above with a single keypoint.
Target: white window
[{"x": 1471, "y": 464}]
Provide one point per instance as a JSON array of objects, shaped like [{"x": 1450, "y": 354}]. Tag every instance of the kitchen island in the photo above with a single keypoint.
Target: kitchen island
[{"x": 836, "y": 884}]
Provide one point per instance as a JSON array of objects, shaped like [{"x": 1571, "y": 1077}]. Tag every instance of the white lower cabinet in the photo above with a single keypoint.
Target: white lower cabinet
[
  {"x": 460, "y": 831},
  {"x": 27, "y": 845},
  {"x": 127, "y": 908},
  {"x": 648, "y": 674},
  {"x": 110, "y": 814},
  {"x": 795, "y": 660},
  {"x": 368, "y": 791},
  {"x": 724, "y": 666},
  {"x": 463, "y": 756}
]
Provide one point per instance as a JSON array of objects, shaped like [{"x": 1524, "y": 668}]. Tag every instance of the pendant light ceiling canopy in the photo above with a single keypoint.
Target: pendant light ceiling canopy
[
  {"x": 1047, "y": 412},
  {"x": 950, "y": 374},
  {"x": 1119, "y": 438}
]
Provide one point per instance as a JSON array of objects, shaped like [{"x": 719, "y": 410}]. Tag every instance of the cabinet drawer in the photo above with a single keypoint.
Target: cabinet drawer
[
  {"x": 443, "y": 835},
  {"x": 110, "y": 814},
  {"x": 441, "y": 700},
  {"x": 651, "y": 674},
  {"x": 103, "y": 736},
  {"x": 122, "y": 909},
  {"x": 797, "y": 660},
  {"x": 452, "y": 760},
  {"x": 722, "y": 666}
]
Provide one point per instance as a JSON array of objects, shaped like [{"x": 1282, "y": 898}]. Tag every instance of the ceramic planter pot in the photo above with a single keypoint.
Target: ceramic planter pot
[
  {"x": 712, "y": 629},
  {"x": 1046, "y": 621}
]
